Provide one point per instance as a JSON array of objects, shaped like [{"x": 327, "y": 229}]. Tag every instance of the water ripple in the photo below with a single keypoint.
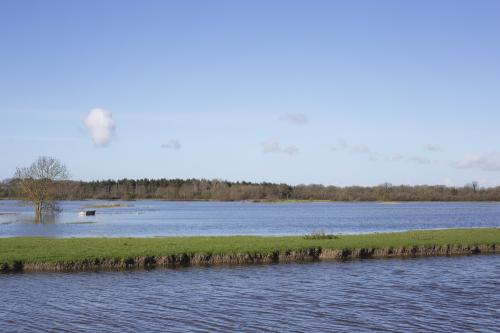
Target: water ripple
[{"x": 432, "y": 294}]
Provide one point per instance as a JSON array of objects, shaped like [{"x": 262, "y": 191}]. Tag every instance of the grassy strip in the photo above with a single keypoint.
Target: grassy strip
[{"x": 52, "y": 250}]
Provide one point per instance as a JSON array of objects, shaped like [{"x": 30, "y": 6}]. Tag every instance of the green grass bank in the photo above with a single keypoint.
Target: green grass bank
[{"x": 79, "y": 254}]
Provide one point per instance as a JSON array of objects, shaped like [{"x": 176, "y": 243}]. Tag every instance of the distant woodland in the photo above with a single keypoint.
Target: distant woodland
[{"x": 200, "y": 189}]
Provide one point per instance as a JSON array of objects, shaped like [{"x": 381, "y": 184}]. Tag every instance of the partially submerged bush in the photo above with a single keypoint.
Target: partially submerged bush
[{"x": 320, "y": 235}]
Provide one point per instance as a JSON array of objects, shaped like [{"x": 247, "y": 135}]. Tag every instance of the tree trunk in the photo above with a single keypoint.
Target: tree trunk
[{"x": 38, "y": 211}]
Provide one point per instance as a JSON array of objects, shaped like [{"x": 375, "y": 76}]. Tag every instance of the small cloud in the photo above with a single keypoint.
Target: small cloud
[
  {"x": 420, "y": 160},
  {"x": 360, "y": 149},
  {"x": 101, "y": 125},
  {"x": 395, "y": 157},
  {"x": 431, "y": 147},
  {"x": 172, "y": 144},
  {"x": 296, "y": 118},
  {"x": 342, "y": 143},
  {"x": 291, "y": 150},
  {"x": 484, "y": 161},
  {"x": 274, "y": 147}
]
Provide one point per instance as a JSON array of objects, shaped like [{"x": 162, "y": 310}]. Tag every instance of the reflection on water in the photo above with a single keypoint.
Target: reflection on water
[
  {"x": 426, "y": 295},
  {"x": 46, "y": 218},
  {"x": 147, "y": 218}
]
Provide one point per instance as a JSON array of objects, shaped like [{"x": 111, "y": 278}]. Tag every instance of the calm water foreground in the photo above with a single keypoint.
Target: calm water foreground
[
  {"x": 460, "y": 294},
  {"x": 147, "y": 218}
]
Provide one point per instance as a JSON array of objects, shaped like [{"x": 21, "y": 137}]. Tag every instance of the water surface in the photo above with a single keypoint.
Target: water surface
[
  {"x": 147, "y": 218},
  {"x": 439, "y": 294}
]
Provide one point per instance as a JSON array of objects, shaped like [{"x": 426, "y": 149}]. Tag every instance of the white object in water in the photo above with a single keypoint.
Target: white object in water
[{"x": 87, "y": 213}]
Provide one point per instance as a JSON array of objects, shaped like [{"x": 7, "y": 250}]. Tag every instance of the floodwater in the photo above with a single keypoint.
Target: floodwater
[
  {"x": 458, "y": 294},
  {"x": 148, "y": 218}
]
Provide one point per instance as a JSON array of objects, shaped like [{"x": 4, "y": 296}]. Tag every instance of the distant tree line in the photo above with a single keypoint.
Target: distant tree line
[{"x": 201, "y": 189}]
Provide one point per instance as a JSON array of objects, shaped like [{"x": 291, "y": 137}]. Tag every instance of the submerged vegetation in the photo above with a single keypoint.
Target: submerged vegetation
[
  {"x": 40, "y": 184},
  {"x": 320, "y": 235},
  {"x": 49, "y": 254},
  {"x": 201, "y": 189}
]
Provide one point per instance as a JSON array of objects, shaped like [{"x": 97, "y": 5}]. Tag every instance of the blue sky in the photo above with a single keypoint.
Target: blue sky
[{"x": 353, "y": 92}]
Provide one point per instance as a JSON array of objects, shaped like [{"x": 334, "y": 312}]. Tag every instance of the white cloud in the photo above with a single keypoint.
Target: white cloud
[
  {"x": 343, "y": 143},
  {"x": 172, "y": 144},
  {"x": 431, "y": 147},
  {"x": 290, "y": 150},
  {"x": 101, "y": 125},
  {"x": 271, "y": 146},
  {"x": 296, "y": 118},
  {"x": 484, "y": 161},
  {"x": 274, "y": 147},
  {"x": 395, "y": 157},
  {"x": 360, "y": 149},
  {"x": 420, "y": 160}
]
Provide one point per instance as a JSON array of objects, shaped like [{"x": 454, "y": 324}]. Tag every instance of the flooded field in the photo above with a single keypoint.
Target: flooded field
[{"x": 147, "y": 218}]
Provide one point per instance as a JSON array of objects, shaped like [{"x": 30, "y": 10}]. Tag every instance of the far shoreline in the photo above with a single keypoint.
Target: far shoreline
[{"x": 291, "y": 201}]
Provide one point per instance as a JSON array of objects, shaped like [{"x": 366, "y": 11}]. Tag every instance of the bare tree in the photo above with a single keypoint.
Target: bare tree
[{"x": 39, "y": 183}]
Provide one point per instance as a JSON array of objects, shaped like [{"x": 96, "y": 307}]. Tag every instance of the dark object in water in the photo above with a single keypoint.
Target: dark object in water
[{"x": 87, "y": 213}]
